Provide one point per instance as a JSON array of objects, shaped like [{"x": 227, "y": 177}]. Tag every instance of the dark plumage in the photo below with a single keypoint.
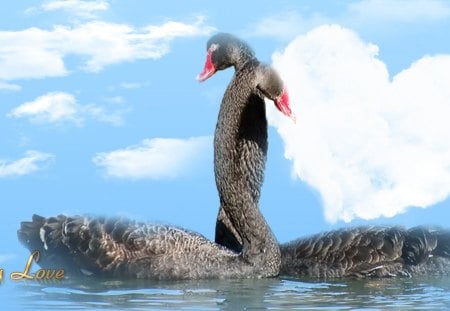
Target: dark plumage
[
  {"x": 240, "y": 143},
  {"x": 361, "y": 252},
  {"x": 119, "y": 247},
  {"x": 369, "y": 252},
  {"x": 240, "y": 148},
  {"x": 124, "y": 248}
]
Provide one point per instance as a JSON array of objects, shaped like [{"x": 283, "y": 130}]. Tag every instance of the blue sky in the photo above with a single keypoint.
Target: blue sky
[{"x": 101, "y": 113}]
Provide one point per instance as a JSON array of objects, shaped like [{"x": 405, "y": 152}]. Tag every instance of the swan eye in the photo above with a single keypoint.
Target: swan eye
[{"x": 213, "y": 47}]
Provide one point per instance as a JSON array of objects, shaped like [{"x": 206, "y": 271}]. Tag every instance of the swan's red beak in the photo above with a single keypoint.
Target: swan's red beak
[
  {"x": 209, "y": 69},
  {"x": 282, "y": 103}
]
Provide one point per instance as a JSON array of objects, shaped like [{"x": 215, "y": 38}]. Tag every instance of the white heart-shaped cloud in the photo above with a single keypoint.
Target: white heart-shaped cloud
[{"x": 372, "y": 146}]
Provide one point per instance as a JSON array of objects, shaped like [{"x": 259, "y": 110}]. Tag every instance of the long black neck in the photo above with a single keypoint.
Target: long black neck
[{"x": 240, "y": 148}]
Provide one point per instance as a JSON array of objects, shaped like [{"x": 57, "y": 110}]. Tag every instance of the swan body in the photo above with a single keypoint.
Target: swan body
[
  {"x": 123, "y": 248},
  {"x": 369, "y": 252},
  {"x": 114, "y": 247}
]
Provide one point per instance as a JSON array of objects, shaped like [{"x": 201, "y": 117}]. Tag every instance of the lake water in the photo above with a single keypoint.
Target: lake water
[{"x": 265, "y": 294}]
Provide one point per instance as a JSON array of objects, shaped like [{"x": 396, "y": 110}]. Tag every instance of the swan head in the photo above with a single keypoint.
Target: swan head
[{"x": 224, "y": 50}]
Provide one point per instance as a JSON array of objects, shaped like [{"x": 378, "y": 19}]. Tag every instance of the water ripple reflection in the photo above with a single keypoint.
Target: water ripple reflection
[{"x": 271, "y": 294}]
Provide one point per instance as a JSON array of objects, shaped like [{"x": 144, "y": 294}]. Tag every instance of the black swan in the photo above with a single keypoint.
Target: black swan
[
  {"x": 360, "y": 252},
  {"x": 124, "y": 248},
  {"x": 240, "y": 140}
]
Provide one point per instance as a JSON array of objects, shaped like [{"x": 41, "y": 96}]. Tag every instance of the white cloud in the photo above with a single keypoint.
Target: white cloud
[
  {"x": 115, "y": 100},
  {"x": 62, "y": 107},
  {"x": 157, "y": 158},
  {"x": 285, "y": 25},
  {"x": 399, "y": 10},
  {"x": 77, "y": 7},
  {"x": 133, "y": 85},
  {"x": 103, "y": 114},
  {"x": 372, "y": 146},
  {"x": 29, "y": 53},
  {"x": 381, "y": 14},
  {"x": 9, "y": 86},
  {"x": 52, "y": 107},
  {"x": 30, "y": 163},
  {"x": 39, "y": 53}
]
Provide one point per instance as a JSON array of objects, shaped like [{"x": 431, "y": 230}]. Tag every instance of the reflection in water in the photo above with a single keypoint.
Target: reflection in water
[{"x": 265, "y": 294}]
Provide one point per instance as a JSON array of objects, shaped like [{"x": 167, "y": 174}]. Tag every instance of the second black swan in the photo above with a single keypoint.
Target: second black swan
[{"x": 360, "y": 252}]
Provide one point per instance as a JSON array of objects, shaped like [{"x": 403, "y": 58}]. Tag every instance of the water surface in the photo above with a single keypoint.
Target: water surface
[{"x": 265, "y": 294}]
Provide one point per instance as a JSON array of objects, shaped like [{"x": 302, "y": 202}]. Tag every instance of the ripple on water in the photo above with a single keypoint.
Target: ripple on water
[{"x": 271, "y": 294}]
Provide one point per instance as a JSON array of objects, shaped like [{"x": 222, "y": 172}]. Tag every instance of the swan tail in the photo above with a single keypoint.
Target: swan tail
[
  {"x": 369, "y": 252},
  {"x": 45, "y": 235},
  {"x": 42, "y": 234},
  {"x": 443, "y": 244},
  {"x": 422, "y": 243},
  {"x": 76, "y": 244}
]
